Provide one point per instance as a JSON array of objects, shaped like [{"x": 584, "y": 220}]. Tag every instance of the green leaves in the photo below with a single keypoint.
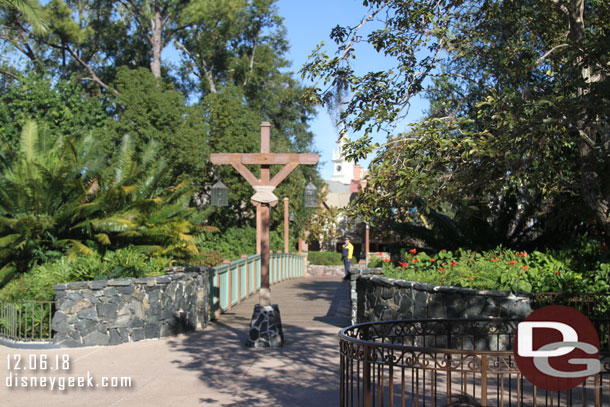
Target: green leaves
[{"x": 509, "y": 142}]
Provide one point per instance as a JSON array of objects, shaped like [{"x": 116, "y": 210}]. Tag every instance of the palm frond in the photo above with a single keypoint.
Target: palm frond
[
  {"x": 32, "y": 11},
  {"x": 76, "y": 248},
  {"x": 6, "y": 241},
  {"x": 103, "y": 238},
  {"x": 125, "y": 163},
  {"x": 29, "y": 139},
  {"x": 113, "y": 224}
]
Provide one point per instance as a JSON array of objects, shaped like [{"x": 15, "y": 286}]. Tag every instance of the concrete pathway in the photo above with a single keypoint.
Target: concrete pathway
[{"x": 211, "y": 367}]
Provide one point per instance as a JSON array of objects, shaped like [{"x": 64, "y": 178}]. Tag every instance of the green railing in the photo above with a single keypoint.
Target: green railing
[
  {"x": 232, "y": 282},
  {"x": 26, "y": 320}
]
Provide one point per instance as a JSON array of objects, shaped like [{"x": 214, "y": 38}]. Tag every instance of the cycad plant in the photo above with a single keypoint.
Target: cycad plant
[{"x": 60, "y": 196}]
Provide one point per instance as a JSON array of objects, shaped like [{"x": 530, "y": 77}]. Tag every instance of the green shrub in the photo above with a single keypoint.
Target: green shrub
[
  {"x": 209, "y": 258},
  {"x": 325, "y": 258},
  {"x": 376, "y": 262},
  {"x": 503, "y": 269},
  {"x": 234, "y": 242},
  {"x": 37, "y": 284}
]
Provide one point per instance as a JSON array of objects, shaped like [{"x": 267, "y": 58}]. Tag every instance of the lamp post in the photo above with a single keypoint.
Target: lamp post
[
  {"x": 366, "y": 243},
  {"x": 263, "y": 199}
]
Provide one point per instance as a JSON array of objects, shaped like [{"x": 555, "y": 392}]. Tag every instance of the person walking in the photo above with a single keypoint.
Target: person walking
[{"x": 348, "y": 251}]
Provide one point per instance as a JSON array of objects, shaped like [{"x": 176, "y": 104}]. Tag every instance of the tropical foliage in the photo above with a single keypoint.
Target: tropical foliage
[{"x": 61, "y": 196}]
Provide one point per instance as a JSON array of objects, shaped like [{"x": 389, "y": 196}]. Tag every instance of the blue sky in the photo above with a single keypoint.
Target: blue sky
[{"x": 310, "y": 22}]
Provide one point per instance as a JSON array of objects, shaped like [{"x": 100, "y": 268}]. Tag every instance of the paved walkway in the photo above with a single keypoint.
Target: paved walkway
[{"x": 211, "y": 367}]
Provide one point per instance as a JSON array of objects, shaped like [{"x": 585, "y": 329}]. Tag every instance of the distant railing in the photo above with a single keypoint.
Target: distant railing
[
  {"x": 26, "y": 321},
  {"x": 232, "y": 282}
]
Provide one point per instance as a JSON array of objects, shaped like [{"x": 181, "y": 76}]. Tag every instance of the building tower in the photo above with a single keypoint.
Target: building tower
[{"x": 343, "y": 170}]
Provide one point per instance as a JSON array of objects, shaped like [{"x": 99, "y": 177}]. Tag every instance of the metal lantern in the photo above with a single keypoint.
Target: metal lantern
[
  {"x": 311, "y": 196},
  {"x": 220, "y": 194},
  {"x": 291, "y": 216}
]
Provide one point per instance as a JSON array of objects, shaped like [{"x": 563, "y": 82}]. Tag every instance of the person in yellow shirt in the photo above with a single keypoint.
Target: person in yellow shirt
[{"x": 348, "y": 251}]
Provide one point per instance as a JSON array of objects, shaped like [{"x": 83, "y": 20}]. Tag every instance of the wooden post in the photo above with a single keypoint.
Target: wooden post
[
  {"x": 259, "y": 228},
  {"x": 264, "y": 197},
  {"x": 286, "y": 226},
  {"x": 245, "y": 256},
  {"x": 265, "y": 292},
  {"x": 230, "y": 278}
]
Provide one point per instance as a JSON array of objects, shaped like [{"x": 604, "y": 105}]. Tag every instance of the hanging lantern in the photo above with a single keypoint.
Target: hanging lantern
[
  {"x": 220, "y": 194},
  {"x": 291, "y": 216},
  {"x": 311, "y": 196}
]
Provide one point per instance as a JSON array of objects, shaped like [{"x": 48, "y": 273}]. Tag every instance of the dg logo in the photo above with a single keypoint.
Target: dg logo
[{"x": 557, "y": 348}]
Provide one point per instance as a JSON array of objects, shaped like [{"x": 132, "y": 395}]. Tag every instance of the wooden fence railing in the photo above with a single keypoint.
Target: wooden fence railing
[{"x": 236, "y": 280}]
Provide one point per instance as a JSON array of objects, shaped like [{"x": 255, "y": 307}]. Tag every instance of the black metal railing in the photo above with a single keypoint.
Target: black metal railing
[
  {"x": 460, "y": 362},
  {"x": 26, "y": 320}
]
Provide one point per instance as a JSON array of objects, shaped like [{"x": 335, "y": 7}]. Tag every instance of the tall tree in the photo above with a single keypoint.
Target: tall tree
[
  {"x": 158, "y": 22},
  {"x": 517, "y": 124}
]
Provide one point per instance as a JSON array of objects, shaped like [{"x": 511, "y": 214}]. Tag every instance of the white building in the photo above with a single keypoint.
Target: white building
[{"x": 346, "y": 181}]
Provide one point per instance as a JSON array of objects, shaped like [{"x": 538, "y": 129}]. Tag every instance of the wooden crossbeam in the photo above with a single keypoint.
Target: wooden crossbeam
[{"x": 264, "y": 158}]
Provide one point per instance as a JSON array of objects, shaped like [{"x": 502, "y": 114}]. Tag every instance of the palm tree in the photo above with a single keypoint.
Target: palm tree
[{"x": 60, "y": 196}]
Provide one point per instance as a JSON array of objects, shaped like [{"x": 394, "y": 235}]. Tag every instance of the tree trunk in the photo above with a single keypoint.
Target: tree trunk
[
  {"x": 588, "y": 132},
  {"x": 157, "y": 45}
]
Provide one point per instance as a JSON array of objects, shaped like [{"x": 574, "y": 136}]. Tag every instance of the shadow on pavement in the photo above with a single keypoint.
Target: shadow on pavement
[{"x": 305, "y": 372}]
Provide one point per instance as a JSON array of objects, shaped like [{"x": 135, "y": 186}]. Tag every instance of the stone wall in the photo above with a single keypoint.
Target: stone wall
[
  {"x": 314, "y": 270},
  {"x": 109, "y": 312},
  {"x": 378, "y": 298}
]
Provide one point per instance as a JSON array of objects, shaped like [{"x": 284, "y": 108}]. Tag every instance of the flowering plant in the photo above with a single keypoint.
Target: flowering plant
[{"x": 501, "y": 269}]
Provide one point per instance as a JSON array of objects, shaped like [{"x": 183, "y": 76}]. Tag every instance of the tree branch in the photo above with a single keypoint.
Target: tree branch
[
  {"x": 85, "y": 65},
  {"x": 549, "y": 52},
  {"x": 355, "y": 30},
  {"x": 201, "y": 66},
  {"x": 251, "y": 60}
]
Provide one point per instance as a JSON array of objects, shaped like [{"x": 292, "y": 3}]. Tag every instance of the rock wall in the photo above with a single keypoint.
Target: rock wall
[
  {"x": 109, "y": 312},
  {"x": 378, "y": 298},
  {"x": 314, "y": 270}
]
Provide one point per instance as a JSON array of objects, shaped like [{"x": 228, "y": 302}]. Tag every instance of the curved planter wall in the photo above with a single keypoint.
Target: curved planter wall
[
  {"x": 109, "y": 312},
  {"x": 378, "y": 298}
]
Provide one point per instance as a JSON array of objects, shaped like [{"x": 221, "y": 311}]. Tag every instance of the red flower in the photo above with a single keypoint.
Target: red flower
[
  {"x": 474, "y": 251},
  {"x": 470, "y": 278},
  {"x": 512, "y": 262},
  {"x": 453, "y": 263},
  {"x": 467, "y": 258},
  {"x": 414, "y": 260},
  {"x": 494, "y": 259},
  {"x": 413, "y": 251},
  {"x": 557, "y": 272},
  {"x": 524, "y": 267},
  {"x": 403, "y": 264},
  {"x": 443, "y": 250},
  {"x": 431, "y": 260},
  {"x": 386, "y": 260},
  {"x": 441, "y": 269}
]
